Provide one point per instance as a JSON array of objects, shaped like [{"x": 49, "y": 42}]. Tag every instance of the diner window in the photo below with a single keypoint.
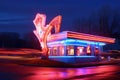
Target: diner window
[
  {"x": 80, "y": 51},
  {"x": 96, "y": 50},
  {"x": 88, "y": 51},
  {"x": 70, "y": 50},
  {"x": 55, "y": 51},
  {"x": 61, "y": 50}
]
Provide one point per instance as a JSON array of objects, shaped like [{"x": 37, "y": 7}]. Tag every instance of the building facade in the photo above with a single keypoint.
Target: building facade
[
  {"x": 67, "y": 46},
  {"x": 73, "y": 47}
]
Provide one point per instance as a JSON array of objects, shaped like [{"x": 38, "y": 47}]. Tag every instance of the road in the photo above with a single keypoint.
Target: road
[{"x": 20, "y": 72}]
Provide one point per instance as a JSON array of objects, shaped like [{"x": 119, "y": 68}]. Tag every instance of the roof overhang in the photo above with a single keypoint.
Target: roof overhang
[{"x": 80, "y": 36}]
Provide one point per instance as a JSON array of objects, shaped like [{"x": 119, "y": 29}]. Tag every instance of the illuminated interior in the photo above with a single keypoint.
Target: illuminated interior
[
  {"x": 96, "y": 50},
  {"x": 80, "y": 51},
  {"x": 88, "y": 50},
  {"x": 70, "y": 50},
  {"x": 61, "y": 50}
]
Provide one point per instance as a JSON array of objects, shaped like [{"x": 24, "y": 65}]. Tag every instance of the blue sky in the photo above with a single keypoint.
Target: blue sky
[{"x": 17, "y": 15}]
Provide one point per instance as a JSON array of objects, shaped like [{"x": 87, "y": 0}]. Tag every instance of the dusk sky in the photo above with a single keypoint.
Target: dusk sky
[{"x": 17, "y": 15}]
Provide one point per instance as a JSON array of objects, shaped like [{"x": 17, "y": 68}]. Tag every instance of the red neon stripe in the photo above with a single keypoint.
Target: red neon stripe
[{"x": 91, "y": 38}]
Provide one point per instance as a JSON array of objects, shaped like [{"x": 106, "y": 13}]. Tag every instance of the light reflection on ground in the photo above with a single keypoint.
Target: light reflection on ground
[
  {"x": 72, "y": 73},
  {"x": 20, "y": 72}
]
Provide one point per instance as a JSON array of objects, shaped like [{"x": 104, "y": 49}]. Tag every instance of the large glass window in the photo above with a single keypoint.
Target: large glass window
[
  {"x": 88, "y": 50},
  {"x": 55, "y": 51},
  {"x": 61, "y": 50},
  {"x": 70, "y": 50},
  {"x": 80, "y": 51},
  {"x": 96, "y": 50}
]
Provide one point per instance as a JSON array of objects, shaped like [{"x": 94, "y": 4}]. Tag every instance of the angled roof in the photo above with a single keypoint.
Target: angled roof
[{"x": 80, "y": 36}]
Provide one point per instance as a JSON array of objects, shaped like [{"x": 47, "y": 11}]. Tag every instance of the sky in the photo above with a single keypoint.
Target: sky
[{"x": 17, "y": 15}]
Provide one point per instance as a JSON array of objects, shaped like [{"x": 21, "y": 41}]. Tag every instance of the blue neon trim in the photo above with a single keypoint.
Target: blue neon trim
[
  {"x": 82, "y": 41},
  {"x": 75, "y": 42},
  {"x": 70, "y": 56}
]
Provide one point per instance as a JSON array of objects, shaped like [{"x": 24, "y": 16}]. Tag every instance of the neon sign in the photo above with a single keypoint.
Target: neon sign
[{"x": 43, "y": 31}]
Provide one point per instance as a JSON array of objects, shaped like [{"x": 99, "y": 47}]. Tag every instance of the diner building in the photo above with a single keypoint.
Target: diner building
[{"x": 73, "y": 47}]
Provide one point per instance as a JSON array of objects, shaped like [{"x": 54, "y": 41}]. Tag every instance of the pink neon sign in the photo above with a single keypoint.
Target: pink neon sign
[{"x": 43, "y": 31}]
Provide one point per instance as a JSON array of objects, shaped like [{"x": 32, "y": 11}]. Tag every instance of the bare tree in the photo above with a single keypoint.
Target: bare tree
[
  {"x": 31, "y": 41},
  {"x": 105, "y": 22}
]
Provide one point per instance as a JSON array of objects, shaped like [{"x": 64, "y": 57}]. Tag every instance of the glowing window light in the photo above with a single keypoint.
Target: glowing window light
[
  {"x": 88, "y": 49},
  {"x": 79, "y": 50},
  {"x": 70, "y": 50},
  {"x": 62, "y": 50},
  {"x": 96, "y": 50},
  {"x": 55, "y": 50},
  {"x": 43, "y": 31}
]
